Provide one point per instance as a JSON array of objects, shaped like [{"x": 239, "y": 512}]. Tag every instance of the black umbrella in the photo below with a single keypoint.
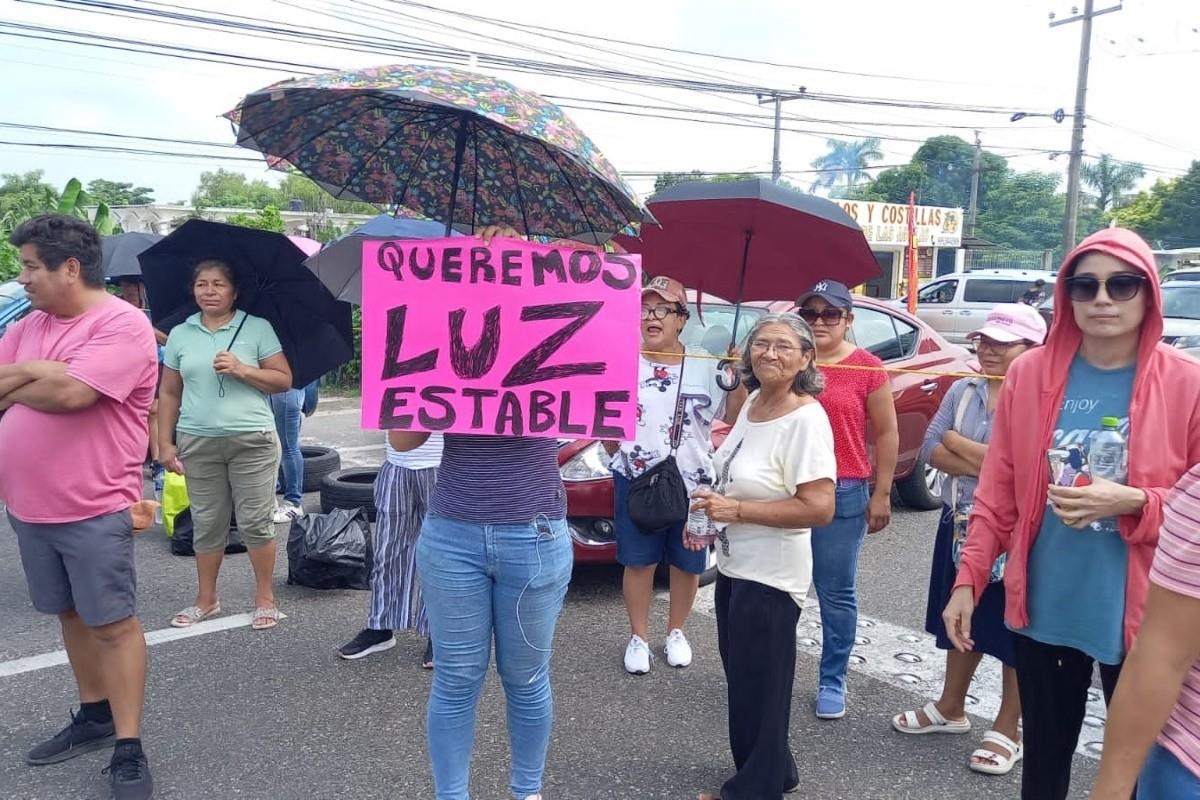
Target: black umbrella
[
  {"x": 120, "y": 253},
  {"x": 273, "y": 283}
]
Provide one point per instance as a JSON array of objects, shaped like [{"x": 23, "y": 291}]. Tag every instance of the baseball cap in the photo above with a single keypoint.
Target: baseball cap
[
  {"x": 1012, "y": 322},
  {"x": 668, "y": 289},
  {"x": 832, "y": 292}
]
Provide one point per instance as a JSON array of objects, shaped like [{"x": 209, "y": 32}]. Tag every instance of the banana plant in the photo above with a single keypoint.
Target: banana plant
[{"x": 74, "y": 201}]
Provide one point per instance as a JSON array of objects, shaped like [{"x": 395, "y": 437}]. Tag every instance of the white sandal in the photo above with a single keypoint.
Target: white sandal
[
  {"x": 193, "y": 614},
  {"x": 997, "y": 763},
  {"x": 909, "y": 723}
]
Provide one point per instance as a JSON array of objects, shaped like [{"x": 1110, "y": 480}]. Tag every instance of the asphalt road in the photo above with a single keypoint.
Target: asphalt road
[{"x": 233, "y": 713}]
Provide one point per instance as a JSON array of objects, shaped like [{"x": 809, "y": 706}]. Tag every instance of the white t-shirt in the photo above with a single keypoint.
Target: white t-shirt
[
  {"x": 704, "y": 401},
  {"x": 426, "y": 456},
  {"x": 775, "y": 458}
]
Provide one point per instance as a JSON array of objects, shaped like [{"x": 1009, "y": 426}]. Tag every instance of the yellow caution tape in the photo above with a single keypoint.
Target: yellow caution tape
[{"x": 897, "y": 370}]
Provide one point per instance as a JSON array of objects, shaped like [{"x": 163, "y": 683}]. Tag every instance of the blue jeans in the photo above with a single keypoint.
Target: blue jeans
[
  {"x": 286, "y": 406},
  {"x": 835, "y": 567},
  {"x": 1164, "y": 778},
  {"x": 482, "y": 583}
]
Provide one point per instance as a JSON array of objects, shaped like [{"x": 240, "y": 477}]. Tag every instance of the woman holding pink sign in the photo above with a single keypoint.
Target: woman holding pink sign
[{"x": 494, "y": 559}]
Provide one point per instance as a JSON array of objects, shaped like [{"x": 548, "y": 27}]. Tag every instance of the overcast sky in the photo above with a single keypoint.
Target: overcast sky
[{"x": 973, "y": 52}]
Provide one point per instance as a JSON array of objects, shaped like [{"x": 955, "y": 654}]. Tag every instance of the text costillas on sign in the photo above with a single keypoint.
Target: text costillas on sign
[{"x": 513, "y": 339}]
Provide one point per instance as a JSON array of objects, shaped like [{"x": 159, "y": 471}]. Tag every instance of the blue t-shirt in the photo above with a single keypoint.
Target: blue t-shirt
[{"x": 1077, "y": 577}]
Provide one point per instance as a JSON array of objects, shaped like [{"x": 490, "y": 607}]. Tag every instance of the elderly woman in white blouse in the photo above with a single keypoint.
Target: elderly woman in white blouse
[{"x": 776, "y": 477}]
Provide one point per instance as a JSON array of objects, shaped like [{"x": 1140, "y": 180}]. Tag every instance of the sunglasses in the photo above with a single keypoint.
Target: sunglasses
[
  {"x": 829, "y": 316},
  {"x": 1120, "y": 287}
]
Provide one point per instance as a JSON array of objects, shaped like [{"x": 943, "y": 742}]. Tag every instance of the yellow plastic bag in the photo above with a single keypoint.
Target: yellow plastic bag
[{"x": 174, "y": 500}]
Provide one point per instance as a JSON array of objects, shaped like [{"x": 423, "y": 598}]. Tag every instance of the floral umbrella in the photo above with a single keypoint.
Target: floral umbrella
[{"x": 465, "y": 149}]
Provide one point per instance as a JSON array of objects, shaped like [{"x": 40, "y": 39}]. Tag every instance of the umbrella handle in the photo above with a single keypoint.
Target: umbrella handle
[{"x": 728, "y": 384}]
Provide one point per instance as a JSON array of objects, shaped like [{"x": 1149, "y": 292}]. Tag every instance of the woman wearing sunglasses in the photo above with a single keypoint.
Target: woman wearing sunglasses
[
  {"x": 856, "y": 391},
  {"x": 1078, "y": 557},
  {"x": 956, "y": 443}
]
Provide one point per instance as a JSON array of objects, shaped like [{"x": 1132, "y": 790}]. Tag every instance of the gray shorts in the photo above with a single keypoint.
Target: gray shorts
[{"x": 86, "y": 566}]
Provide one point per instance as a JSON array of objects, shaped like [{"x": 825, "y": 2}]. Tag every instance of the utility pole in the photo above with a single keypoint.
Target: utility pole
[
  {"x": 1080, "y": 117},
  {"x": 777, "y": 98},
  {"x": 973, "y": 203}
]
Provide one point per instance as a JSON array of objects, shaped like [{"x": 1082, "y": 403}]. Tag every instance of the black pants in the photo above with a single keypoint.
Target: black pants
[
  {"x": 756, "y": 631},
  {"x": 1054, "y": 683}
]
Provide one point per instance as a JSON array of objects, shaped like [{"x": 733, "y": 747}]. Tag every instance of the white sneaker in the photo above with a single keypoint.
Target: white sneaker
[
  {"x": 637, "y": 656},
  {"x": 679, "y": 652},
  {"x": 286, "y": 512}
]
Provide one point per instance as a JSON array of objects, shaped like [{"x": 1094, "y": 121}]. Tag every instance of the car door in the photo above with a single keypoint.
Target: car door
[
  {"x": 897, "y": 344},
  {"x": 936, "y": 306}
]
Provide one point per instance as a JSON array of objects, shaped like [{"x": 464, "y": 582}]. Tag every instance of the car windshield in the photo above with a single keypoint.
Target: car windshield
[
  {"x": 1181, "y": 301},
  {"x": 710, "y": 328}
]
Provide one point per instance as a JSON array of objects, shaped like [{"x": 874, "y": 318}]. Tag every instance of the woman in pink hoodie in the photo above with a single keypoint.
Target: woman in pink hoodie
[{"x": 1079, "y": 557}]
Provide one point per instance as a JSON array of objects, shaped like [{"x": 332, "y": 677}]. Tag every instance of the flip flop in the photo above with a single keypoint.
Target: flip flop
[
  {"x": 997, "y": 763},
  {"x": 265, "y": 618},
  {"x": 193, "y": 614},
  {"x": 937, "y": 723}
]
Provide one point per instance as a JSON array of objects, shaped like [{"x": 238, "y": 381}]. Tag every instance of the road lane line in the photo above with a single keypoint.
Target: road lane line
[
  {"x": 18, "y": 666},
  {"x": 908, "y": 659}
]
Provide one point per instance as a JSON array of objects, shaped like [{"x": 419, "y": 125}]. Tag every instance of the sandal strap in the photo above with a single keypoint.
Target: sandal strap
[
  {"x": 267, "y": 613},
  {"x": 934, "y": 716},
  {"x": 995, "y": 737}
]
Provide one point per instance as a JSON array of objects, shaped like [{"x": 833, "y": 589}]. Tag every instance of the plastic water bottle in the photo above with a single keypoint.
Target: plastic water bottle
[
  {"x": 159, "y": 477},
  {"x": 700, "y": 530},
  {"x": 1108, "y": 458}
]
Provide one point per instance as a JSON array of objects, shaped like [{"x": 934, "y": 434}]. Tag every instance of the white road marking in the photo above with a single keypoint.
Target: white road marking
[
  {"x": 338, "y": 412},
  {"x": 909, "y": 660},
  {"x": 18, "y": 666}
]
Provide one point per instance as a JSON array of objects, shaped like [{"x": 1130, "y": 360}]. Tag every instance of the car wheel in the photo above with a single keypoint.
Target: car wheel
[
  {"x": 349, "y": 489},
  {"x": 318, "y": 462},
  {"x": 922, "y": 489}
]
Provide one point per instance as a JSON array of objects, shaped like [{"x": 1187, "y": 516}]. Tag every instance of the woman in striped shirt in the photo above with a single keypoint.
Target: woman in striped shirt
[{"x": 1159, "y": 691}]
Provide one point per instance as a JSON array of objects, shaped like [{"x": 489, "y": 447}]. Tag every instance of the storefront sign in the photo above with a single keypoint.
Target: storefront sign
[
  {"x": 887, "y": 223},
  {"x": 513, "y": 339}
]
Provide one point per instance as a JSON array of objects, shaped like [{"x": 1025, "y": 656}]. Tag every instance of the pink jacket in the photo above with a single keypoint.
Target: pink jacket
[{"x": 1164, "y": 442}]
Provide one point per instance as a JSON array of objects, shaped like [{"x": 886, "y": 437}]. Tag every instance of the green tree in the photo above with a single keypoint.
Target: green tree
[
  {"x": 313, "y": 198},
  {"x": 847, "y": 162},
  {"x": 893, "y": 185},
  {"x": 1110, "y": 179},
  {"x": 265, "y": 219},
  {"x": 227, "y": 189},
  {"x": 669, "y": 179},
  {"x": 1025, "y": 212},
  {"x": 119, "y": 193},
  {"x": 21, "y": 196},
  {"x": 1180, "y": 222}
]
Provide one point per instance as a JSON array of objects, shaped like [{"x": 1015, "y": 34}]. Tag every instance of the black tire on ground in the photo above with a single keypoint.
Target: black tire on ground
[
  {"x": 350, "y": 488},
  {"x": 318, "y": 462},
  {"x": 918, "y": 490}
]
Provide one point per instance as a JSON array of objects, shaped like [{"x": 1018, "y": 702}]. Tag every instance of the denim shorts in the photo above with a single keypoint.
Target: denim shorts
[{"x": 638, "y": 548}]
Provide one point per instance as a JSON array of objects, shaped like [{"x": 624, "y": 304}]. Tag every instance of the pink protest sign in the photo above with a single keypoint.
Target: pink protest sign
[{"x": 515, "y": 339}]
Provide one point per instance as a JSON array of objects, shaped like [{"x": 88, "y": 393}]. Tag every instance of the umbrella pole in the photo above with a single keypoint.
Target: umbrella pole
[
  {"x": 460, "y": 146},
  {"x": 736, "y": 380},
  {"x": 737, "y": 308}
]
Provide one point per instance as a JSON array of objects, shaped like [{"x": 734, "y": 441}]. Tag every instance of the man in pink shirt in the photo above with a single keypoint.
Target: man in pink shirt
[{"x": 76, "y": 382}]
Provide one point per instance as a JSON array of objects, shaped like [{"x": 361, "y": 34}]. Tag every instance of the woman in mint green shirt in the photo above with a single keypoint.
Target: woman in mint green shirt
[{"x": 216, "y": 428}]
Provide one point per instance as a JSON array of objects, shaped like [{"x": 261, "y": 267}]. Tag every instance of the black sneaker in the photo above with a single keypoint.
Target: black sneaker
[
  {"x": 368, "y": 641},
  {"x": 427, "y": 659},
  {"x": 129, "y": 777},
  {"x": 81, "y": 736}
]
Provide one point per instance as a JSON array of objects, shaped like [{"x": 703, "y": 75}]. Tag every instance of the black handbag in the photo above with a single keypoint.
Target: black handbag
[{"x": 658, "y": 498}]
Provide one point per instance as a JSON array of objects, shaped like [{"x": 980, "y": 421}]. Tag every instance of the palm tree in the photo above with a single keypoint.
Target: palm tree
[
  {"x": 1110, "y": 178},
  {"x": 846, "y": 161}
]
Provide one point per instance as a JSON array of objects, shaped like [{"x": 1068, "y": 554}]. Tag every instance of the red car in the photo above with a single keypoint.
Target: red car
[{"x": 900, "y": 340}]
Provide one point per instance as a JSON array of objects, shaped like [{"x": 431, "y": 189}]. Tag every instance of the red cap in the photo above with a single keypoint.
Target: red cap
[{"x": 668, "y": 289}]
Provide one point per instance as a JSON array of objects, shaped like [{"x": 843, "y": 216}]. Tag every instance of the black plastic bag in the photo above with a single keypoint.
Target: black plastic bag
[
  {"x": 331, "y": 551},
  {"x": 181, "y": 541}
]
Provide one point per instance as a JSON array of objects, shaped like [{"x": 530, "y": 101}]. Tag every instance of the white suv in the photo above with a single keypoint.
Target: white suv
[{"x": 956, "y": 304}]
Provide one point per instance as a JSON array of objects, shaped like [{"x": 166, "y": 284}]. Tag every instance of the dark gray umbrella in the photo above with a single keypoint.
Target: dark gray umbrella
[{"x": 120, "y": 254}]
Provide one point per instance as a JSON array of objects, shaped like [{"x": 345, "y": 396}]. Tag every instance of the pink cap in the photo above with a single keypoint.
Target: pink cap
[
  {"x": 1012, "y": 322},
  {"x": 668, "y": 289}
]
